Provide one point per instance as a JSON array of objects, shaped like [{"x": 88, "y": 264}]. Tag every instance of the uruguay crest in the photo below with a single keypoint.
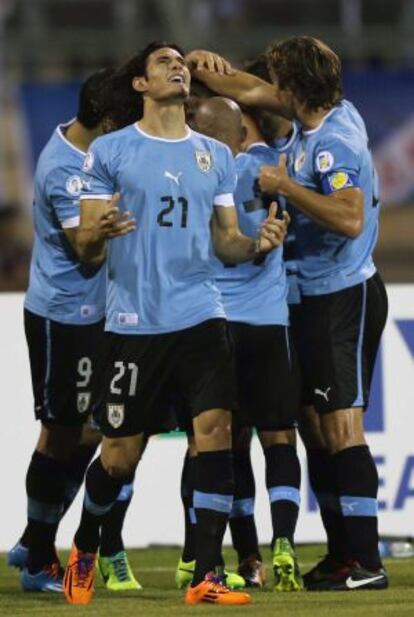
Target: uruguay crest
[
  {"x": 204, "y": 160},
  {"x": 116, "y": 415},
  {"x": 84, "y": 398}
]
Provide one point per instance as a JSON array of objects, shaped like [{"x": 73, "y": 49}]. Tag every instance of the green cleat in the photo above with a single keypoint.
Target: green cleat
[
  {"x": 185, "y": 572},
  {"x": 117, "y": 574},
  {"x": 285, "y": 567}
]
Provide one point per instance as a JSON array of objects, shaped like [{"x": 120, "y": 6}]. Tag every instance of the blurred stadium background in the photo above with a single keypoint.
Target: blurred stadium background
[{"x": 48, "y": 46}]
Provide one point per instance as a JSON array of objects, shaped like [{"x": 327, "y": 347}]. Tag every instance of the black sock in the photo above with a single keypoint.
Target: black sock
[
  {"x": 76, "y": 470},
  {"x": 283, "y": 484},
  {"x": 242, "y": 523},
  {"x": 45, "y": 481},
  {"x": 357, "y": 479},
  {"x": 213, "y": 497},
  {"x": 113, "y": 522},
  {"x": 101, "y": 491},
  {"x": 322, "y": 478},
  {"x": 188, "y": 479}
]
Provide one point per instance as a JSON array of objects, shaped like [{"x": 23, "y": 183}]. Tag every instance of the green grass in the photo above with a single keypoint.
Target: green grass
[{"x": 155, "y": 570}]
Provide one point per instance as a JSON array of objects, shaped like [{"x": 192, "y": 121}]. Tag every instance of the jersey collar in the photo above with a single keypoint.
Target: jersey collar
[
  {"x": 170, "y": 141},
  {"x": 60, "y": 133}
]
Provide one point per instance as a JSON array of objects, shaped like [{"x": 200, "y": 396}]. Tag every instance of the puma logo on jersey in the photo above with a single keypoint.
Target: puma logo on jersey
[
  {"x": 322, "y": 393},
  {"x": 170, "y": 176}
]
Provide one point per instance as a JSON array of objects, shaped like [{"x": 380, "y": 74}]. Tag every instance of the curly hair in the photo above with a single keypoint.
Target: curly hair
[{"x": 309, "y": 69}]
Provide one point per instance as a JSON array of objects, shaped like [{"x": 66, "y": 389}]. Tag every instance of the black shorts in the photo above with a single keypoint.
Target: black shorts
[
  {"x": 267, "y": 376},
  {"x": 337, "y": 337},
  {"x": 143, "y": 376},
  {"x": 62, "y": 363}
]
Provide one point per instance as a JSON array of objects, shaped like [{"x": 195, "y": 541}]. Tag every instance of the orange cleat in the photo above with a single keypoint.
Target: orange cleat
[
  {"x": 79, "y": 577},
  {"x": 213, "y": 591}
]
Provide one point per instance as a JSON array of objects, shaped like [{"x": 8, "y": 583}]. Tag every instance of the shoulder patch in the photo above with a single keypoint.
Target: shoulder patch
[
  {"x": 74, "y": 185},
  {"x": 89, "y": 161},
  {"x": 324, "y": 161},
  {"x": 339, "y": 180}
]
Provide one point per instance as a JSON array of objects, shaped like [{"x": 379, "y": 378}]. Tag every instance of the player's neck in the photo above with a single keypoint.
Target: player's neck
[
  {"x": 80, "y": 137},
  {"x": 312, "y": 119},
  {"x": 165, "y": 121}
]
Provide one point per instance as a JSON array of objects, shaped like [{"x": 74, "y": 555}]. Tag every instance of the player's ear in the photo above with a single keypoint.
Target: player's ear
[{"x": 139, "y": 84}]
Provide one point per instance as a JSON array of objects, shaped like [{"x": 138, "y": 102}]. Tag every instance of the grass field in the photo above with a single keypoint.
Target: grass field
[{"x": 155, "y": 570}]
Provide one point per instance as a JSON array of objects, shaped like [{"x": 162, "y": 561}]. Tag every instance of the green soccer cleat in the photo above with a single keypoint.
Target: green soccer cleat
[
  {"x": 117, "y": 574},
  {"x": 285, "y": 567},
  {"x": 185, "y": 572}
]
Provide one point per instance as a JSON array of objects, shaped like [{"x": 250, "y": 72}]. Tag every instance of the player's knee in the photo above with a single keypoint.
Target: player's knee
[
  {"x": 58, "y": 442},
  {"x": 340, "y": 431},
  {"x": 120, "y": 467},
  {"x": 212, "y": 430}
]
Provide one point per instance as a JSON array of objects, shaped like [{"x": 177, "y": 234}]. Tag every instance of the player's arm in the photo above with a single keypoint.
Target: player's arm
[
  {"x": 341, "y": 211},
  {"x": 242, "y": 87},
  {"x": 233, "y": 247},
  {"x": 100, "y": 221}
]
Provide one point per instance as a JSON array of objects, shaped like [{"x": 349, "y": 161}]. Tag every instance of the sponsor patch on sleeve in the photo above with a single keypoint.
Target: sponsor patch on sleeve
[
  {"x": 324, "y": 161},
  {"x": 338, "y": 181}
]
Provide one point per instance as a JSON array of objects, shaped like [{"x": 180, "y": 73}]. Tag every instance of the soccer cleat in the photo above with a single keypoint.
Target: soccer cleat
[
  {"x": 253, "y": 572},
  {"x": 213, "y": 591},
  {"x": 285, "y": 567},
  {"x": 353, "y": 576},
  {"x": 79, "y": 577},
  {"x": 185, "y": 572},
  {"x": 117, "y": 574},
  {"x": 324, "y": 571},
  {"x": 17, "y": 556},
  {"x": 48, "y": 579}
]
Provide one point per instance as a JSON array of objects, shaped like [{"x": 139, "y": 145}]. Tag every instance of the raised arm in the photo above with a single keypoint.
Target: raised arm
[{"x": 232, "y": 247}]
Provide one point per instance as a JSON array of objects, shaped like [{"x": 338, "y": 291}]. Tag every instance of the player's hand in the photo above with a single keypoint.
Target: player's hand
[
  {"x": 200, "y": 59},
  {"x": 114, "y": 223},
  {"x": 272, "y": 231},
  {"x": 273, "y": 179}
]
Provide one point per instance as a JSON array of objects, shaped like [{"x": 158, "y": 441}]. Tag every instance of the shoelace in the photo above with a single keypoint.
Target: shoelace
[
  {"x": 218, "y": 586},
  {"x": 83, "y": 567},
  {"x": 55, "y": 570},
  {"x": 121, "y": 568}
]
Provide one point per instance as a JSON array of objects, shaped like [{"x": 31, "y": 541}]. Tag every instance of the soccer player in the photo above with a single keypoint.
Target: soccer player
[
  {"x": 333, "y": 187},
  {"x": 165, "y": 327},
  {"x": 64, "y": 308},
  {"x": 255, "y": 301}
]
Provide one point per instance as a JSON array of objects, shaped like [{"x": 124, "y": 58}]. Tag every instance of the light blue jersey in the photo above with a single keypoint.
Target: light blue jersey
[
  {"x": 330, "y": 158},
  {"x": 160, "y": 276},
  {"x": 254, "y": 292},
  {"x": 60, "y": 287}
]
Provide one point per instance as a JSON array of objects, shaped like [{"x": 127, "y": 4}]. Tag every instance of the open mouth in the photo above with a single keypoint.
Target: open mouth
[{"x": 177, "y": 79}]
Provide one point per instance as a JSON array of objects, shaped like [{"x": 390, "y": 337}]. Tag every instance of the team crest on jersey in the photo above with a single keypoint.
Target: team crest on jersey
[
  {"x": 89, "y": 161},
  {"x": 339, "y": 180},
  {"x": 299, "y": 161},
  {"x": 204, "y": 160},
  {"x": 116, "y": 415},
  {"x": 324, "y": 161},
  {"x": 74, "y": 185},
  {"x": 84, "y": 399}
]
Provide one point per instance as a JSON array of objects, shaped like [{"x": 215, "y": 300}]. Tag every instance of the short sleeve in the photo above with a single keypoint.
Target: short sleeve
[
  {"x": 63, "y": 188},
  {"x": 337, "y": 166},
  {"x": 97, "y": 179},
  {"x": 227, "y": 180}
]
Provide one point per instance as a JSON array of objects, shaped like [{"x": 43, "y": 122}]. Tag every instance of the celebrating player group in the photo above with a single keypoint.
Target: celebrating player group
[{"x": 203, "y": 261}]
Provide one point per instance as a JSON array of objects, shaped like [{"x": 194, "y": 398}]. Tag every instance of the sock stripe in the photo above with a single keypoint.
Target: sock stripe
[
  {"x": 242, "y": 507},
  {"x": 358, "y": 506},
  {"x": 94, "y": 508},
  {"x": 42, "y": 512},
  {"x": 192, "y": 516},
  {"x": 213, "y": 501},
  {"x": 126, "y": 492},
  {"x": 284, "y": 493}
]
